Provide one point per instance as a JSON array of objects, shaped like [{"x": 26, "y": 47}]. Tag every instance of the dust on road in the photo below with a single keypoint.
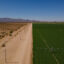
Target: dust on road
[{"x": 18, "y": 50}]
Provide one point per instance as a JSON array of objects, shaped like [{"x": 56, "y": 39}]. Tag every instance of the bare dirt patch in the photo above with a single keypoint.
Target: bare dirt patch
[{"x": 18, "y": 48}]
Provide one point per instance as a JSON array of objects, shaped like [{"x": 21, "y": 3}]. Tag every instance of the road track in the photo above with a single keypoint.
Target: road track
[{"x": 19, "y": 48}]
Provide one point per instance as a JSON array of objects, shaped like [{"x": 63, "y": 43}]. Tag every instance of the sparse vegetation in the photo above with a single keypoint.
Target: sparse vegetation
[
  {"x": 10, "y": 33},
  {"x": 3, "y": 45},
  {"x": 2, "y": 35},
  {"x": 9, "y": 28}
]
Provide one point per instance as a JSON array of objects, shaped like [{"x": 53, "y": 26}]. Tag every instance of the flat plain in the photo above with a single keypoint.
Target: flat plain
[
  {"x": 15, "y": 43},
  {"x": 7, "y": 28},
  {"x": 48, "y": 43}
]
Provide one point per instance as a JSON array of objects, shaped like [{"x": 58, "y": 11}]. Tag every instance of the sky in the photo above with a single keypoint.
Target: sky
[{"x": 48, "y": 10}]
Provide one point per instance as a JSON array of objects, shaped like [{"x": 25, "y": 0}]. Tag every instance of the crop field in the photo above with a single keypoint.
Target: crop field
[{"x": 48, "y": 43}]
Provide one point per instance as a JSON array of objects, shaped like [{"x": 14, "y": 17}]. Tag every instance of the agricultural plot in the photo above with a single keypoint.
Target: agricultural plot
[{"x": 48, "y": 43}]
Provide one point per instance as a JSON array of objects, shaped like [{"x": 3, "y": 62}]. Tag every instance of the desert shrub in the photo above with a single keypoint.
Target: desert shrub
[
  {"x": 3, "y": 33},
  {"x": 11, "y": 31},
  {"x": 10, "y": 34},
  {"x": 3, "y": 45},
  {"x": 1, "y": 36}
]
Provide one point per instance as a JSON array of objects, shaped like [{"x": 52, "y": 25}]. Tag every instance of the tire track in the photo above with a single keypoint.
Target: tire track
[{"x": 57, "y": 61}]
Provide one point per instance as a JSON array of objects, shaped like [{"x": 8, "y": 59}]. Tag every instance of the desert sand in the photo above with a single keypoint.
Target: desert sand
[{"x": 17, "y": 49}]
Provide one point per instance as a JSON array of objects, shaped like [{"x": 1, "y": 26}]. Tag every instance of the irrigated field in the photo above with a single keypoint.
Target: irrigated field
[{"x": 48, "y": 43}]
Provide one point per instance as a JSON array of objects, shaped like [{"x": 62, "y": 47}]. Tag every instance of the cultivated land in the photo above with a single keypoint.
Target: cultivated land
[
  {"x": 48, "y": 43},
  {"x": 16, "y": 43}
]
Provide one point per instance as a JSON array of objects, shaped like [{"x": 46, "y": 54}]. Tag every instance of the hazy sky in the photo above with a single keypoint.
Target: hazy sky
[{"x": 32, "y": 9}]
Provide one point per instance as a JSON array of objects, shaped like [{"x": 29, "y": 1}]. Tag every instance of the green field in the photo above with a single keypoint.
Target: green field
[{"x": 48, "y": 43}]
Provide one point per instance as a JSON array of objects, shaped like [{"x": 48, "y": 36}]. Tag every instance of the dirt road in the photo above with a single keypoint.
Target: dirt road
[{"x": 18, "y": 50}]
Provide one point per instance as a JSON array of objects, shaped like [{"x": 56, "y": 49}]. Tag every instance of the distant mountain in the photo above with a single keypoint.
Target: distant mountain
[
  {"x": 16, "y": 20},
  {"x": 22, "y": 20},
  {"x": 13, "y": 20}
]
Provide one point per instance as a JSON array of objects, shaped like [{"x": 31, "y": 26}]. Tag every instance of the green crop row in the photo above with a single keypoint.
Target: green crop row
[{"x": 48, "y": 43}]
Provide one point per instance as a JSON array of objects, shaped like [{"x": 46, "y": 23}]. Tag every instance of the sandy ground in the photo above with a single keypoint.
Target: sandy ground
[{"x": 18, "y": 50}]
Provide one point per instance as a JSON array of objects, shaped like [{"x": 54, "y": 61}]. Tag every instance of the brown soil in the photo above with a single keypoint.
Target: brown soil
[{"x": 18, "y": 48}]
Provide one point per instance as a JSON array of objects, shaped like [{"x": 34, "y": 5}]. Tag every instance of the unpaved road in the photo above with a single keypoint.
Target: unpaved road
[{"x": 18, "y": 50}]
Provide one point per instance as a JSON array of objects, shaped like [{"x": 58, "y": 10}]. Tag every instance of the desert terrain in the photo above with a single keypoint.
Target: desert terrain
[{"x": 16, "y": 43}]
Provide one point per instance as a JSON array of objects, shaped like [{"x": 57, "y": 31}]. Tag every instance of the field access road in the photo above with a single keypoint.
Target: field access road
[{"x": 18, "y": 50}]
